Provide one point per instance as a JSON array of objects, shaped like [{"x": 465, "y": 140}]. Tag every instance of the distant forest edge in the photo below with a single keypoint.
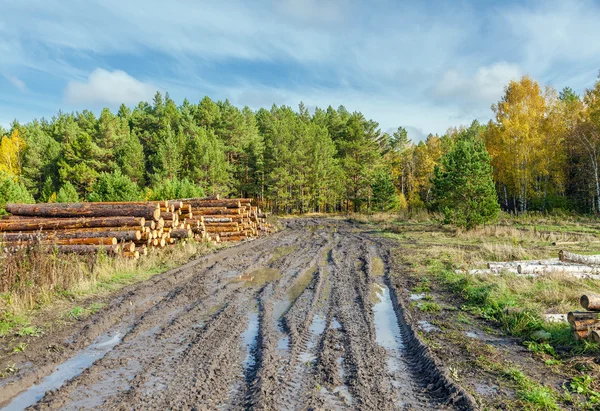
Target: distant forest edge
[{"x": 544, "y": 148}]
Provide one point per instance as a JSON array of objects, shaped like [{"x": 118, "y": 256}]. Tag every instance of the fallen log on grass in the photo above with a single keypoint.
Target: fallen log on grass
[
  {"x": 565, "y": 256},
  {"x": 556, "y": 268}
]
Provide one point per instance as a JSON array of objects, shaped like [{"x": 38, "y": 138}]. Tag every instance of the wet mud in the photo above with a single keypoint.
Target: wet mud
[{"x": 304, "y": 319}]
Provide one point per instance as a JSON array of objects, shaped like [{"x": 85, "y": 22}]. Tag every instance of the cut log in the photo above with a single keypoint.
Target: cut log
[
  {"x": 590, "y": 302},
  {"x": 214, "y": 203},
  {"x": 84, "y": 210},
  {"x": 501, "y": 264},
  {"x": 45, "y": 235},
  {"x": 585, "y": 324},
  {"x": 87, "y": 249},
  {"x": 132, "y": 255},
  {"x": 565, "y": 256},
  {"x": 574, "y": 316},
  {"x": 216, "y": 210},
  {"x": 180, "y": 234},
  {"x": 67, "y": 241},
  {"x": 62, "y": 223},
  {"x": 208, "y": 220},
  {"x": 580, "y": 335},
  {"x": 556, "y": 268}
]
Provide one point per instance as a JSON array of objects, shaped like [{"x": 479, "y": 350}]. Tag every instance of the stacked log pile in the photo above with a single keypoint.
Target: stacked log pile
[
  {"x": 233, "y": 219},
  {"x": 128, "y": 228},
  {"x": 586, "y": 324}
]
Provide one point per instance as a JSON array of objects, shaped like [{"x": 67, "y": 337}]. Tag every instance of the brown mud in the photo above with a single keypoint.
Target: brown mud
[{"x": 305, "y": 319}]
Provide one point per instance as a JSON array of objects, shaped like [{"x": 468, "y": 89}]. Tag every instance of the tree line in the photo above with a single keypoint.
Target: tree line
[{"x": 543, "y": 145}]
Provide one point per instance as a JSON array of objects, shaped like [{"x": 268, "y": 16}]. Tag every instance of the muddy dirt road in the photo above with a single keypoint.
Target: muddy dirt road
[{"x": 308, "y": 318}]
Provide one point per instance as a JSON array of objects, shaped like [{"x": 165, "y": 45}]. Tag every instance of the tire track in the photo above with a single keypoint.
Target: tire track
[{"x": 305, "y": 319}]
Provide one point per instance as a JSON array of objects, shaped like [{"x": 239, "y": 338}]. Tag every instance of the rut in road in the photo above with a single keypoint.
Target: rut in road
[{"x": 303, "y": 319}]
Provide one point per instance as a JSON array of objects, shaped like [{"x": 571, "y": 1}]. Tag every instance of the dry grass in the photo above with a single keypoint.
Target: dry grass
[{"x": 32, "y": 279}]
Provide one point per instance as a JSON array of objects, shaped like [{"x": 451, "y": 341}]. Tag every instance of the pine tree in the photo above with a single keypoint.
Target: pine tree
[
  {"x": 67, "y": 194},
  {"x": 114, "y": 187},
  {"x": 12, "y": 191},
  {"x": 47, "y": 190},
  {"x": 463, "y": 188}
]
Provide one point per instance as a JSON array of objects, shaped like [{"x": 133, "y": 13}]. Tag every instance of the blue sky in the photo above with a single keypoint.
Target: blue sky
[{"x": 425, "y": 66}]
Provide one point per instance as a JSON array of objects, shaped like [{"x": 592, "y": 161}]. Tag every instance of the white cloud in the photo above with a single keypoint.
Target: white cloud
[
  {"x": 109, "y": 87},
  {"x": 484, "y": 86},
  {"x": 311, "y": 11},
  {"x": 557, "y": 39},
  {"x": 17, "y": 82}
]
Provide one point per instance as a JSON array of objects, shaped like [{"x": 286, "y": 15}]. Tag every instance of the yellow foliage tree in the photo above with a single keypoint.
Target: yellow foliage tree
[
  {"x": 11, "y": 153},
  {"x": 525, "y": 143}
]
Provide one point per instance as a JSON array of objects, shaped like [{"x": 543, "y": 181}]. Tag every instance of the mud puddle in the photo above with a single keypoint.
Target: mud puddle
[
  {"x": 250, "y": 340},
  {"x": 67, "y": 370},
  {"x": 387, "y": 331},
  {"x": 316, "y": 329}
]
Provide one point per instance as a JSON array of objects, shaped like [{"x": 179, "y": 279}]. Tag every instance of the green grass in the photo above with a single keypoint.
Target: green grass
[
  {"x": 30, "y": 331},
  {"x": 9, "y": 322},
  {"x": 428, "y": 306},
  {"x": 19, "y": 347}
]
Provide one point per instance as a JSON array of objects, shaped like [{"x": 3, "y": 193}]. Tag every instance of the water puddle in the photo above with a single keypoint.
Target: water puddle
[
  {"x": 284, "y": 344},
  {"x": 249, "y": 340},
  {"x": 483, "y": 389},
  {"x": 66, "y": 371},
  {"x": 335, "y": 324},
  {"x": 260, "y": 276},
  {"x": 427, "y": 326},
  {"x": 376, "y": 293},
  {"x": 386, "y": 324},
  {"x": 316, "y": 328},
  {"x": 387, "y": 335}
]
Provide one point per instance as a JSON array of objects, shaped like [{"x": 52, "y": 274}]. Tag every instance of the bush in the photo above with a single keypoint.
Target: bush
[
  {"x": 114, "y": 187},
  {"x": 12, "y": 191},
  {"x": 66, "y": 194},
  {"x": 174, "y": 188}
]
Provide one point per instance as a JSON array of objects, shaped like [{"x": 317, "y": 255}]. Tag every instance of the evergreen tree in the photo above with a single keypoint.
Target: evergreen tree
[
  {"x": 67, "y": 194},
  {"x": 47, "y": 190},
  {"x": 169, "y": 189},
  {"x": 12, "y": 191},
  {"x": 114, "y": 187},
  {"x": 463, "y": 188},
  {"x": 384, "y": 192}
]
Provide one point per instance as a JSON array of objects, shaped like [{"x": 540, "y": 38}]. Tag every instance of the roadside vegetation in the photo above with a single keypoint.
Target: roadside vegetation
[
  {"x": 40, "y": 288},
  {"x": 502, "y": 325}
]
